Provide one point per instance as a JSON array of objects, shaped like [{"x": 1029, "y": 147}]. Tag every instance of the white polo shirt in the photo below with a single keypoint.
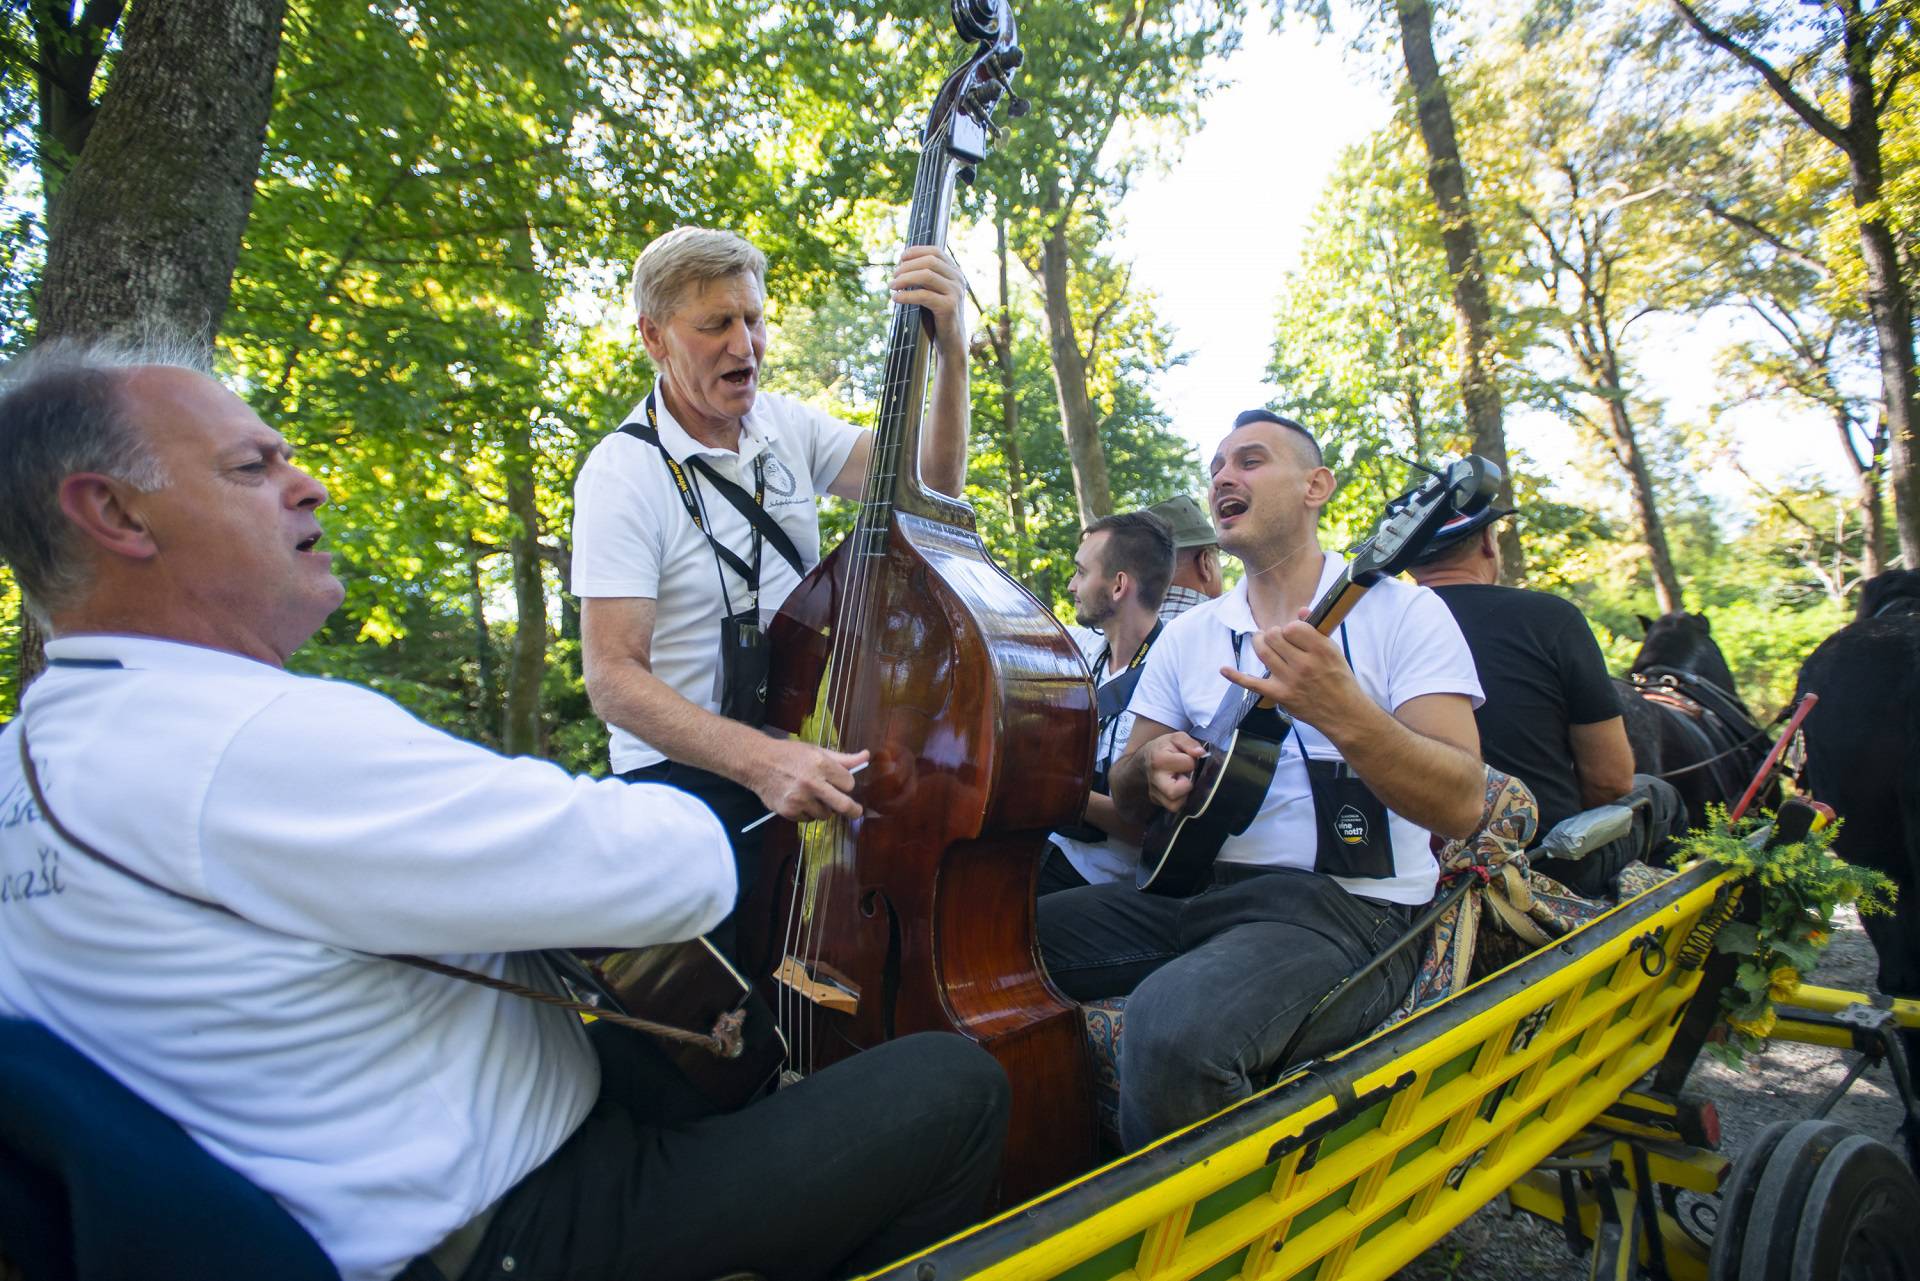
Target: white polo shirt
[
  {"x": 1112, "y": 859},
  {"x": 632, "y": 536},
  {"x": 382, "y": 1105},
  {"x": 1405, "y": 644}
]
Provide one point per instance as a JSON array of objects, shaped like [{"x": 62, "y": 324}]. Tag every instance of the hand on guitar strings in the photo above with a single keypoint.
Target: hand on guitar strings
[
  {"x": 805, "y": 782},
  {"x": 1306, "y": 676},
  {"x": 1170, "y": 761}
]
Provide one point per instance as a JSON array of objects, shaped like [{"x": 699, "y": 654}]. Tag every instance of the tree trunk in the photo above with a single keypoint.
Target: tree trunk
[
  {"x": 1002, "y": 338},
  {"x": 487, "y": 701},
  {"x": 1472, "y": 313},
  {"x": 70, "y": 48},
  {"x": 1084, "y": 450},
  {"x": 1888, "y": 301},
  {"x": 1624, "y": 441},
  {"x": 1892, "y": 310},
  {"x": 143, "y": 234},
  {"x": 520, "y": 728},
  {"x": 1866, "y": 480}
]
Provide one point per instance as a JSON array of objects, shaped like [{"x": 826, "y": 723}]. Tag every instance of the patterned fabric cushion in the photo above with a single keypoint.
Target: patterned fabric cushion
[{"x": 1104, "y": 1021}]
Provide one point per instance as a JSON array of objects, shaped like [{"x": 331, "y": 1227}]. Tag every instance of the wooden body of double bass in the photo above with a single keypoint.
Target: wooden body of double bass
[{"x": 980, "y": 717}]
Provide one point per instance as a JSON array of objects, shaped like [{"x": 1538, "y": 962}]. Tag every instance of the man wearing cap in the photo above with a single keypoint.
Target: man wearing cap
[
  {"x": 1552, "y": 716},
  {"x": 1196, "y": 556},
  {"x": 1119, "y": 576},
  {"x": 1336, "y": 863}
]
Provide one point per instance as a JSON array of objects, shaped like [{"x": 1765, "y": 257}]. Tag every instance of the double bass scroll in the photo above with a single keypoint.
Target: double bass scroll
[{"x": 908, "y": 641}]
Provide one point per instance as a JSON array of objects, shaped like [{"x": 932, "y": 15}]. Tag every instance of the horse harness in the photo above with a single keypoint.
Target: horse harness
[{"x": 1718, "y": 723}]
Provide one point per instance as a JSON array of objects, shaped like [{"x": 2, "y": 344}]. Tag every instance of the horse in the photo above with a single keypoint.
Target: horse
[
  {"x": 1895, "y": 592},
  {"x": 1863, "y": 758},
  {"x": 1685, "y": 720}
]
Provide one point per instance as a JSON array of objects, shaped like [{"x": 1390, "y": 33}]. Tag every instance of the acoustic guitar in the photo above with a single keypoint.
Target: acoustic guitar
[{"x": 1244, "y": 739}]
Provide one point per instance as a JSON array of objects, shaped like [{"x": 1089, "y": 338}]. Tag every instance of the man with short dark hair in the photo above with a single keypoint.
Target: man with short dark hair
[
  {"x": 1119, "y": 575},
  {"x": 1196, "y": 556},
  {"x": 221, "y": 858},
  {"x": 1552, "y": 716},
  {"x": 1218, "y": 983}
]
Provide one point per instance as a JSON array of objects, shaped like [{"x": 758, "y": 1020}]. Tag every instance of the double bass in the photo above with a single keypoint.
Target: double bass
[{"x": 908, "y": 641}]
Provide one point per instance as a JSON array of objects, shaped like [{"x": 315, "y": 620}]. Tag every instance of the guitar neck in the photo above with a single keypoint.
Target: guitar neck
[{"x": 1338, "y": 601}]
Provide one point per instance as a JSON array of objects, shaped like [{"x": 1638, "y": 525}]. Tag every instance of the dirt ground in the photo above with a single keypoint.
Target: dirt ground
[{"x": 1785, "y": 1083}]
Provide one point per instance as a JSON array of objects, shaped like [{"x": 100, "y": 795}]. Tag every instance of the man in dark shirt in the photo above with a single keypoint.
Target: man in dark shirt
[{"x": 1552, "y": 716}]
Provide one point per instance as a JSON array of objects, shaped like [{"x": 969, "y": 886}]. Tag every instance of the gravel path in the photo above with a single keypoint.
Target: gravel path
[{"x": 1787, "y": 1082}]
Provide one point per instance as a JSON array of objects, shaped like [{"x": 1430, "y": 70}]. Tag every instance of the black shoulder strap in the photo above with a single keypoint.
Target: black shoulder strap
[
  {"x": 742, "y": 501},
  {"x": 722, "y": 1041},
  {"x": 1113, "y": 697}
]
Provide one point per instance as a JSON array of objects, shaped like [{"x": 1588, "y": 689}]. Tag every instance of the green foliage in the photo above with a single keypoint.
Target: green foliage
[
  {"x": 1799, "y": 886},
  {"x": 9, "y": 644},
  {"x": 1363, "y": 352}
]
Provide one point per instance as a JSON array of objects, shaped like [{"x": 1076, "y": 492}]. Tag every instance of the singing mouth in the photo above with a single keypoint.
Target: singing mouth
[
  {"x": 308, "y": 543},
  {"x": 739, "y": 377},
  {"x": 1229, "y": 507}
]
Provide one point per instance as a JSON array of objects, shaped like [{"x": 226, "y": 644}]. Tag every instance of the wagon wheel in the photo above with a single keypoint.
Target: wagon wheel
[
  {"x": 1820, "y": 1204},
  {"x": 1736, "y": 1203},
  {"x": 1861, "y": 1213}
]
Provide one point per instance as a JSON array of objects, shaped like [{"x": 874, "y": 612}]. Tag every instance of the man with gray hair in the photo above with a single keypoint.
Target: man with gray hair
[
  {"x": 216, "y": 868},
  {"x": 695, "y": 521}
]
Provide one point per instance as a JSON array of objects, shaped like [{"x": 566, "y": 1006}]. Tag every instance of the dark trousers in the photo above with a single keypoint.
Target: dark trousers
[
  {"x": 853, "y": 1167},
  {"x": 1057, "y": 874},
  {"x": 1659, "y": 815},
  {"x": 735, "y": 806},
  {"x": 1220, "y": 982}
]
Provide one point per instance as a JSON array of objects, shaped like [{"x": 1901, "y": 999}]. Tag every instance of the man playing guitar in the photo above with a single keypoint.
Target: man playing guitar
[
  {"x": 236, "y": 861},
  {"x": 1336, "y": 864}
]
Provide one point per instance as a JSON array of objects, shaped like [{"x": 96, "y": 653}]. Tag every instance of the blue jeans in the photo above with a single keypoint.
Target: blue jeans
[{"x": 1219, "y": 982}]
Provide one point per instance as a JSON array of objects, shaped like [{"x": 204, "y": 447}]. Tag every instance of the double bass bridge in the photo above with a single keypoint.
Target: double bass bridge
[{"x": 812, "y": 981}]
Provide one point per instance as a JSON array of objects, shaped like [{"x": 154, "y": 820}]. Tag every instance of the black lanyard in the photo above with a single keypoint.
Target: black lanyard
[
  {"x": 1345, "y": 648},
  {"x": 751, "y": 506},
  {"x": 1111, "y": 699}
]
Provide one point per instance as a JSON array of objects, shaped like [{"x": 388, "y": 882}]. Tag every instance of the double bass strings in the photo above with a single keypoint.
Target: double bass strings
[{"x": 821, "y": 842}]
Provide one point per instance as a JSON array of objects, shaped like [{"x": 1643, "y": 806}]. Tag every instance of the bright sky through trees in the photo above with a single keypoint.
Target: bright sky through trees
[{"x": 1214, "y": 236}]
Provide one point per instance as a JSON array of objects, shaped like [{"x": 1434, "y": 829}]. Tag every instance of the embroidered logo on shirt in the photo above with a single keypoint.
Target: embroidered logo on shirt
[
  {"x": 780, "y": 482},
  {"x": 1350, "y": 825}
]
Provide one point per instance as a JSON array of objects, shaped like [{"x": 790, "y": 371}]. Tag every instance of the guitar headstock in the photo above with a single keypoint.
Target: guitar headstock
[
  {"x": 1464, "y": 488},
  {"x": 971, "y": 94}
]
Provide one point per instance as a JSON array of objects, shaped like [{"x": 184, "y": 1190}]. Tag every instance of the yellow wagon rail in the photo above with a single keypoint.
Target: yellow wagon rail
[{"x": 1351, "y": 1167}]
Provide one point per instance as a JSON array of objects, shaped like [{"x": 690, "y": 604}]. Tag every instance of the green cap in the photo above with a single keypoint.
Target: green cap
[{"x": 1188, "y": 522}]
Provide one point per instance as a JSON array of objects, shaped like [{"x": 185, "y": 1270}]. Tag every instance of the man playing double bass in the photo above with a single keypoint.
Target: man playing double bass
[
  {"x": 1384, "y": 742},
  {"x": 235, "y": 862},
  {"x": 694, "y": 522}
]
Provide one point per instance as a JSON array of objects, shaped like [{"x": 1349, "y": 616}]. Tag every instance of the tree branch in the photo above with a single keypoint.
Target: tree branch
[
  {"x": 1816, "y": 119},
  {"x": 1759, "y": 232}
]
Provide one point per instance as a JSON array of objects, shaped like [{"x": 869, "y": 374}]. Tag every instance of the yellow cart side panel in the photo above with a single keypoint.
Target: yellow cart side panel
[{"x": 1352, "y": 1167}]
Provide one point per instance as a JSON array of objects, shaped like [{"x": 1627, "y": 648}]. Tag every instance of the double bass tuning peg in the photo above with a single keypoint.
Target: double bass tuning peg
[{"x": 1017, "y": 106}]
